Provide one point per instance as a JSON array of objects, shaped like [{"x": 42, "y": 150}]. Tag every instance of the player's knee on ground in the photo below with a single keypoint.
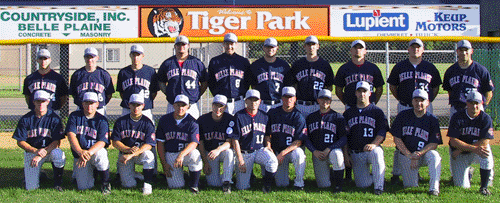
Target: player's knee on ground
[
  {"x": 58, "y": 158},
  {"x": 336, "y": 158}
]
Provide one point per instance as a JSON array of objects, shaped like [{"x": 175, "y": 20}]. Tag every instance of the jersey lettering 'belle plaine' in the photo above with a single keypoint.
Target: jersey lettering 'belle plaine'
[
  {"x": 229, "y": 72},
  {"x": 310, "y": 73}
]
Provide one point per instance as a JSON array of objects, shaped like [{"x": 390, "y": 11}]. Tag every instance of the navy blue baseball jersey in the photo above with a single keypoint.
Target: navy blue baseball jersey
[
  {"x": 226, "y": 75},
  {"x": 364, "y": 125},
  {"x": 183, "y": 80},
  {"x": 408, "y": 78},
  {"x": 250, "y": 130},
  {"x": 177, "y": 136},
  {"x": 416, "y": 132},
  {"x": 87, "y": 131},
  {"x": 39, "y": 132},
  {"x": 143, "y": 81},
  {"x": 459, "y": 82},
  {"x": 52, "y": 82},
  {"x": 98, "y": 81},
  {"x": 212, "y": 133},
  {"x": 470, "y": 130},
  {"x": 285, "y": 127},
  {"x": 134, "y": 133},
  {"x": 310, "y": 77},
  {"x": 268, "y": 78},
  {"x": 324, "y": 130},
  {"x": 349, "y": 74}
]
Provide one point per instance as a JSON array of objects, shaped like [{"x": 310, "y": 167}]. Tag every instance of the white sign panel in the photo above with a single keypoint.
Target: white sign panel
[
  {"x": 68, "y": 22},
  {"x": 425, "y": 20}
]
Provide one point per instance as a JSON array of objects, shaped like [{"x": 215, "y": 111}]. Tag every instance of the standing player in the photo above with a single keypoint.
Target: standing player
[
  {"x": 326, "y": 132},
  {"x": 39, "y": 133},
  {"x": 177, "y": 139},
  {"x": 216, "y": 130},
  {"x": 466, "y": 76},
  {"x": 48, "y": 80},
  {"x": 309, "y": 75},
  {"x": 416, "y": 134},
  {"x": 226, "y": 75},
  {"x": 286, "y": 131},
  {"x": 91, "y": 78},
  {"x": 183, "y": 74},
  {"x": 248, "y": 143},
  {"x": 87, "y": 132},
  {"x": 267, "y": 75},
  {"x": 367, "y": 126},
  {"x": 134, "y": 136},
  {"x": 407, "y": 76},
  {"x": 470, "y": 132},
  {"x": 137, "y": 78}
]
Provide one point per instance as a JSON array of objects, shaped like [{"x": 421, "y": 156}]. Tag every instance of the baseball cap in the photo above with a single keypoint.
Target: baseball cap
[
  {"x": 90, "y": 96},
  {"x": 312, "y": 39},
  {"x": 475, "y": 96},
  {"x": 363, "y": 84},
  {"x": 271, "y": 42},
  {"x": 325, "y": 93},
  {"x": 464, "y": 44},
  {"x": 230, "y": 37},
  {"x": 43, "y": 53},
  {"x": 136, "y": 49},
  {"x": 182, "y": 39},
  {"x": 416, "y": 41},
  {"x": 420, "y": 93},
  {"x": 181, "y": 98},
  {"x": 358, "y": 42},
  {"x": 136, "y": 99},
  {"x": 220, "y": 99},
  {"x": 288, "y": 91},
  {"x": 41, "y": 95},
  {"x": 252, "y": 93},
  {"x": 91, "y": 51}
]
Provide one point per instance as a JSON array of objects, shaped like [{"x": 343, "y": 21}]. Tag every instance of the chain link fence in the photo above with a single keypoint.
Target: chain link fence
[{"x": 18, "y": 61}]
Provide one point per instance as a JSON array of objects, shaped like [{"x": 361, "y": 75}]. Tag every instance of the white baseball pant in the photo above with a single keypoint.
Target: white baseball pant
[
  {"x": 361, "y": 168},
  {"x": 266, "y": 107},
  {"x": 215, "y": 179},
  {"x": 298, "y": 158},
  {"x": 462, "y": 163},
  {"x": 192, "y": 161},
  {"x": 263, "y": 157},
  {"x": 193, "y": 110},
  {"x": 85, "y": 175},
  {"x": 322, "y": 169},
  {"x": 127, "y": 171},
  {"x": 432, "y": 159},
  {"x": 307, "y": 109},
  {"x": 233, "y": 107},
  {"x": 32, "y": 174}
]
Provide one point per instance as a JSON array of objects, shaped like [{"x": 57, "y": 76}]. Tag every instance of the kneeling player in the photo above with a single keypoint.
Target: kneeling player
[
  {"x": 326, "y": 132},
  {"x": 39, "y": 133},
  {"x": 87, "y": 132},
  {"x": 177, "y": 139},
  {"x": 216, "y": 129},
  {"x": 134, "y": 136},
  {"x": 470, "y": 132},
  {"x": 416, "y": 134}
]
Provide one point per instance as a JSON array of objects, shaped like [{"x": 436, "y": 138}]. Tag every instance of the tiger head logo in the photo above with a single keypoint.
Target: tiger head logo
[{"x": 165, "y": 22}]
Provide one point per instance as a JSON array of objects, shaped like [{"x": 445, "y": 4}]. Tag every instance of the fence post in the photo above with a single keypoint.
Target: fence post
[
  {"x": 20, "y": 69},
  {"x": 64, "y": 71},
  {"x": 387, "y": 85}
]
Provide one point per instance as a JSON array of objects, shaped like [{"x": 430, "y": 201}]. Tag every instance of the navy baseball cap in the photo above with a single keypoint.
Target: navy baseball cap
[
  {"x": 358, "y": 42},
  {"x": 252, "y": 93},
  {"x": 41, "y": 95},
  {"x": 181, "y": 39},
  {"x": 416, "y": 41},
  {"x": 325, "y": 93},
  {"x": 181, "y": 98},
  {"x": 421, "y": 94},
  {"x": 91, "y": 51},
  {"x": 220, "y": 99},
  {"x": 90, "y": 96},
  {"x": 363, "y": 84},
  {"x": 136, "y": 99},
  {"x": 43, "y": 53},
  {"x": 475, "y": 96},
  {"x": 136, "y": 49},
  {"x": 288, "y": 91},
  {"x": 312, "y": 39},
  {"x": 230, "y": 37},
  {"x": 464, "y": 44},
  {"x": 271, "y": 42}
]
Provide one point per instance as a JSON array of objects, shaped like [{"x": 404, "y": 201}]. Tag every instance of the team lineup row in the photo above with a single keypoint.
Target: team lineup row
[{"x": 184, "y": 78}]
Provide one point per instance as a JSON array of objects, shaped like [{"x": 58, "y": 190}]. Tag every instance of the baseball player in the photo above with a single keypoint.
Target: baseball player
[
  {"x": 216, "y": 130},
  {"x": 48, "y": 80},
  {"x": 326, "y": 133},
  {"x": 470, "y": 132},
  {"x": 226, "y": 74},
  {"x": 367, "y": 126},
  {"x": 286, "y": 132},
  {"x": 183, "y": 74},
  {"x": 134, "y": 136},
  {"x": 87, "y": 132},
  {"x": 416, "y": 134},
  {"x": 248, "y": 143},
  {"x": 39, "y": 133},
  {"x": 177, "y": 139},
  {"x": 309, "y": 75},
  {"x": 267, "y": 75},
  {"x": 466, "y": 76},
  {"x": 407, "y": 76},
  {"x": 91, "y": 78}
]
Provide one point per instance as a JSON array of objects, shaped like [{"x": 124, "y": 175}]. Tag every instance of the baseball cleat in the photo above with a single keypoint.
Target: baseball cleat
[{"x": 226, "y": 187}]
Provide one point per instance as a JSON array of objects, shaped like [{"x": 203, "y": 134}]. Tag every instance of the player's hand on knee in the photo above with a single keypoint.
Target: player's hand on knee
[
  {"x": 167, "y": 170},
  {"x": 414, "y": 164},
  {"x": 86, "y": 155},
  {"x": 206, "y": 169},
  {"x": 280, "y": 158},
  {"x": 178, "y": 162},
  {"x": 81, "y": 163},
  {"x": 416, "y": 155},
  {"x": 213, "y": 154},
  {"x": 369, "y": 147},
  {"x": 242, "y": 167},
  {"x": 35, "y": 161},
  {"x": 41, "y": 152},
  {"x": 125, "y": 158},
  {"x": 134, "y": 149},
  {"x": 318, "y": 154},
  {"x": 482, "y": 151}
]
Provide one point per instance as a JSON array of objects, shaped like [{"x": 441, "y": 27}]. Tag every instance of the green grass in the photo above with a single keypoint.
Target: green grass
[{"x": 12, "y": 190}]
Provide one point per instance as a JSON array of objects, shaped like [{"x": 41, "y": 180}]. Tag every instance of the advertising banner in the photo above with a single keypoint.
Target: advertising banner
[
  {"x": 165, "y": 21},
  {"x": 65, "y": 22},
  {"x": 424, "y": 20}
]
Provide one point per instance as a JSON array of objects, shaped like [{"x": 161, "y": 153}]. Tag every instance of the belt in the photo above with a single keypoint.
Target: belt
[
  {"x": 271, "y": 102},
  {"x": 405, "y": 104},
  {"x": 234, "y": 99},
  {"x": 356, "y": 151},
  {"x": 247, "y": 151},
  {"x": 308, "y": 103}
]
